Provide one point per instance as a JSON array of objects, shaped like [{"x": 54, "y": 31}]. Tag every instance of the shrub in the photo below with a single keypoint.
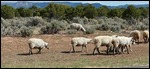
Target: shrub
[
  {"x": 79, "y": 20},
  {"x": 46, "y": 29},
  {"x": 57, "y": 26},
  {"x": 93, "y": 21},
  {"x": 26, "y": 32},
  {"x": 100, "y": 21},
  {"x": 105, "y": 27},
  {"x": 54, "y": 27},
  {"x": 89, "y": 29},
  {"x": 71, "y": 31},
  {"x": 140, "y": 27},
  {"x": 85, "y": 20},
  {"x": 5, "y": 31},
  {"x": 4, "y": 22},
  {"x": 115, "y": 28},
  {"x": 36, "y": 21},
  {"x": 43, "y": 30},
  {"x": 146, "y": 21}
]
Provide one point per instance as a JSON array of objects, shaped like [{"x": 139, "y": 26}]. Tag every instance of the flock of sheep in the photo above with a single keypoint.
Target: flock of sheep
[{"x": 114, "y": 43}]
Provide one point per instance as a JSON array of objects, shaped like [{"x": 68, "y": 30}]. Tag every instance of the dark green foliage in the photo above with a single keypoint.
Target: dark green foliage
[
  {"x": 90, "y": 11},
  {"x": 79, "y": 11},
  {"x": 130, "y": 12},
  {"x": 103, "y": 11},
  {"x": 115, "y": 13},
  {"x": 69, "y": 13},
  {"x": 144, "y": 12},
  {"x": 7, "y": 12},
  {"x": 59, "y": 11},
  {"x": 24, "y": 12}
]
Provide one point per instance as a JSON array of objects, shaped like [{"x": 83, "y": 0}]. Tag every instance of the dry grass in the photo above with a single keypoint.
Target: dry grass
[{"x": 14, "y": 54}]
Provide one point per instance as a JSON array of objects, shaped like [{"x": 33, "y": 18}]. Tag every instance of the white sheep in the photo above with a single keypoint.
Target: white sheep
[
  {"x": 103, "y": 41},
  {"x": 35, "y": 43},
  {"x": 136, "y": 35},
  {"x": 80, "y": 41},
  {"x": 125, "y": 42},
  {"x": 77, "y": 26},
  {"x": 146, "y": 36},
  {"x": 115, "y": 43}
]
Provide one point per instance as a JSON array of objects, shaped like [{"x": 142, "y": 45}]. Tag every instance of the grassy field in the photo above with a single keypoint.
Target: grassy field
[{"x": 14, "y": 54}]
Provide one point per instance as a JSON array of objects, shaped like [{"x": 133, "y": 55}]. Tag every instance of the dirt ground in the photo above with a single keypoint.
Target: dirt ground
[{"x": 14, "y": 50}]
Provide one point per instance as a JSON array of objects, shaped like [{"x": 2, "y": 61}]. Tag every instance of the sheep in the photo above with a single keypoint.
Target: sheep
[
  {"x": 103, "y": 41},
  {"x": 35, "y": 43},
  {"x": 115, "y": 43},
  {"x": 125, "y": 42},
  {"x": 80, "y": 41},
  {"x": 146, "y": 36},
  {"x": 136, "y": 35},
  {"x": 77, "y": 26}
]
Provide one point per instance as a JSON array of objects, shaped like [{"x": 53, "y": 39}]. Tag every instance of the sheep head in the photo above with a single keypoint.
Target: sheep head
[{"x": 46, "y": 45}]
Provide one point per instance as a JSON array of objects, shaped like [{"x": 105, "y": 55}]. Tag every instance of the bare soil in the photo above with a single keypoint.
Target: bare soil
[{"x": 14, "y": 50}]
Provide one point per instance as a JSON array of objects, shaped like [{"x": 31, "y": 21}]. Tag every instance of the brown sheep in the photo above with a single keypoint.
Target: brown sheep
[
  {"x": 146, "y": 36},
  {"x": 136, "y": 35}
]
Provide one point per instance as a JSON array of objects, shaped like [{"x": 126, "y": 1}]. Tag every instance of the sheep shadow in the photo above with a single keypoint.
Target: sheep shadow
[
  {"x": 23, "y": 54},
  {"x": 26, "y": 54},
  {"x": 91, "y": 54},
  {"x": 71, "y": 52},
  {"x": 139, "y": 42},
  {"x": 103, "y": 52}
]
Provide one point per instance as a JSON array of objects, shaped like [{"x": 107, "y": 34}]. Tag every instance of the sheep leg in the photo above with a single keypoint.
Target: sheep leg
[
  {"x": 144, "y": 39},
  {"x": 46, "y": 47},
  {"x": 147, "y": 40},
  {"x": 130, "y": 48},
  {"x": 72, "y": 48},
  {"x": 86, "y": 49},
  {"x": 114, "y": 50},
  {"x": 117, "y": 52},
  {"x": 122, "y": 48},
  {"x": 30, "y": 52},
  {"x": 98, "y": 50},
  {"x": 82, "y": 48},
  {"x": 139, "y": 41},
  {"x": 94, "y": 50},
  {"x": 111, "y": 49},
  {"x": 127, "y": 49},
  {"x": 39, "y": 50},
  {"x": 107, "y": 49},
  {"x": 119, "y": 49},
  {"x": 30, "y": 49}
]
